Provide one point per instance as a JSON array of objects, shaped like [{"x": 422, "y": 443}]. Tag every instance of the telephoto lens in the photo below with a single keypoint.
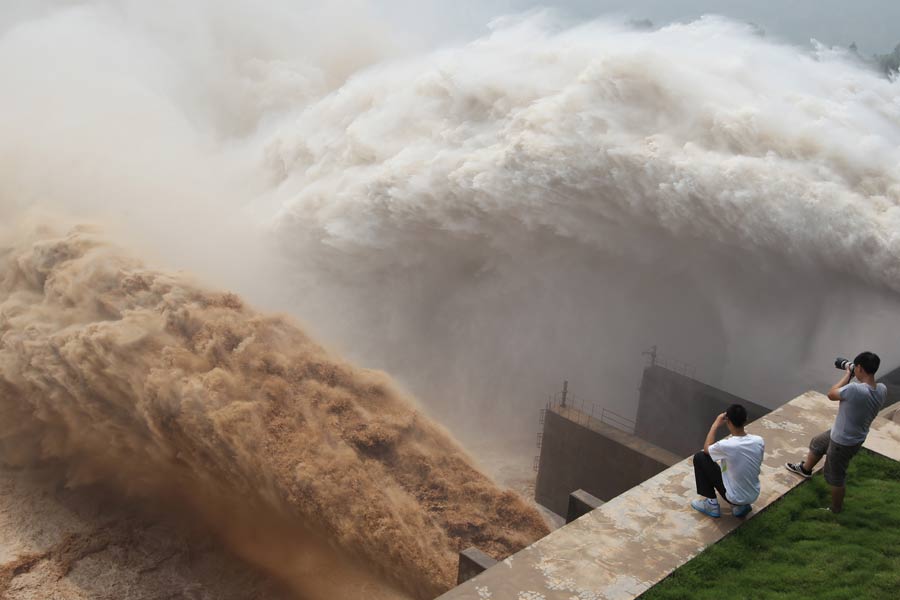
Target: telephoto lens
[{"x": 842, "y": 364}]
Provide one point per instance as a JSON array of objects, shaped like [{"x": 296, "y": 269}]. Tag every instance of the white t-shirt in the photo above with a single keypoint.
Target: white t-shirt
[{"x": 741, "y": 459}]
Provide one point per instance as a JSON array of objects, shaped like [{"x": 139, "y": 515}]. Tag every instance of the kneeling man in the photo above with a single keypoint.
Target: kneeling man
[{"x": 741, "y": 456}]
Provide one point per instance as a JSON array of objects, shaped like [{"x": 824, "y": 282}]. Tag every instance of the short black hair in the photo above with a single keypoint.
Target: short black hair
[
  {"x": 869, "y": 361},
  {"x": 737, "y": 415}
]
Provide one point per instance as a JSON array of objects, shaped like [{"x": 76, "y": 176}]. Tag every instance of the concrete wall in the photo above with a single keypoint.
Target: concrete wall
[
  {"x": 592, "y": 456},
  {"x": 675, "y": 411},
  {"x": 892, "y": 381}
]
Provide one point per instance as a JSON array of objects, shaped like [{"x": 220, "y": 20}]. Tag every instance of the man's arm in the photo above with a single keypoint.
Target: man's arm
[
  {"x": 835, "y": 392},
  {"x": 711, "y": 436}
]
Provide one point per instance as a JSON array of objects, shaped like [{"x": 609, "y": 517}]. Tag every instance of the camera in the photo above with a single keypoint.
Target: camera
[{"x": 844, "y": 364}]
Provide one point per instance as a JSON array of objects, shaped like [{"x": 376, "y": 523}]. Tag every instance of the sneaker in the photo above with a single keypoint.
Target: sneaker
[
  {"x": 706, "y": 507},
  {"x": 798, "y": 469},
  {"x": 741, "y": 510}
]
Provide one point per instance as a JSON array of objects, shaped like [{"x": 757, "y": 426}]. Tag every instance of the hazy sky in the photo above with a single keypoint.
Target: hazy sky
[{"x": 873, "y": 24}]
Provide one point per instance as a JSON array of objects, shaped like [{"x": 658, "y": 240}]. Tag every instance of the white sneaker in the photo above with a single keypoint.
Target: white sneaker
[{"x": 707, "y": 507}]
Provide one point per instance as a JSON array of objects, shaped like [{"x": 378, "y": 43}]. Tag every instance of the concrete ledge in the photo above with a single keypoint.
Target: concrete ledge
[
  {"x": 629, "y": 440},
  {"x": 472, "y": 561},
  {"x": 579, "y": 451},
  {"x": 621, "y": 549},
  {"x": 884, "y": 435},
  {"x": 580, "y": 504}
]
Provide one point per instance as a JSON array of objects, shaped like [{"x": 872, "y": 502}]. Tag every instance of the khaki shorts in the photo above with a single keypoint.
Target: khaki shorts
[{"x": 837, "y": 457}]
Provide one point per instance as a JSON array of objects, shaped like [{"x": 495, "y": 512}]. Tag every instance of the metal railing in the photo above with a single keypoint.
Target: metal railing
[
  {"x": 587, "y": 413},
  {"x": 581, "y": 412},
  {"x": 672, "y": 364},
  {"x": 584, "y": 413},
  {"x": 616, "y": 420}
]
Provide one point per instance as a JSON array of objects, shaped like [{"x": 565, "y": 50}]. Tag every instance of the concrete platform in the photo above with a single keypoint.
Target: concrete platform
[
  {"x": 632, "y": 542},
  {"x": 884, "y": 435}
]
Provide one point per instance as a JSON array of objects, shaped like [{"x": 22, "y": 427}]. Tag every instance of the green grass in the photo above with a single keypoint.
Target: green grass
[{"x": 794, "y": 550}]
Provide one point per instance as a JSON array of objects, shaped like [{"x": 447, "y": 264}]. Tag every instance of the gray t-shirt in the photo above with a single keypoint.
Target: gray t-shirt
[{"x": 858, "y": 407}]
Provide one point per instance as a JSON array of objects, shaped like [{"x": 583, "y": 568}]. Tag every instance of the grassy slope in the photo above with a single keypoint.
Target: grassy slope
[{"x": 796, "y": 550}]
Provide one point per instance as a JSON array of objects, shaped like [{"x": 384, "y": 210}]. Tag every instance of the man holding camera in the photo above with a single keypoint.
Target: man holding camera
[
  {"x": 741, "y": 455},
  {"x": 858, "y": 406}
]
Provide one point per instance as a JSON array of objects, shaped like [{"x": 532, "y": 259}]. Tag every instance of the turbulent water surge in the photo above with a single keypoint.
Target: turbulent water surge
[
  {"x": 480, "y": 218},
  {"x": 317, "y": 471},
  {"x": 548, "y": 201}
]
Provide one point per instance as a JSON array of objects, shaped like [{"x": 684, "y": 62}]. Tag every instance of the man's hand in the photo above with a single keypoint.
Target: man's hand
[
  {"x": 711, "y": 436},
  {"x": 835, "y": 392}
]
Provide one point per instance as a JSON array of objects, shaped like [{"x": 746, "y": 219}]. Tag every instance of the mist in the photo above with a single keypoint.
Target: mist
[
  {"x": 548, "y": 201},
  {"x": 482, "y": 207}
]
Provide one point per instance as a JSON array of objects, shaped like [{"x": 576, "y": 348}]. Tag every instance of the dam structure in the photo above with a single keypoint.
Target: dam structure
[
  {"x": 606, "y": 454},
  {"x": 630, "y": 543}
]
